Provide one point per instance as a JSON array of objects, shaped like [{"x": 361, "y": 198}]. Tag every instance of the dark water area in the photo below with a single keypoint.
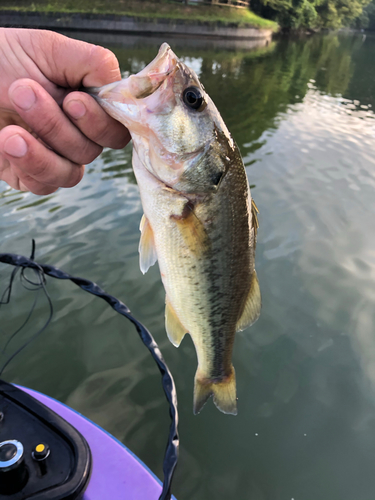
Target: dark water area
[{"x": 302, "y": 114}]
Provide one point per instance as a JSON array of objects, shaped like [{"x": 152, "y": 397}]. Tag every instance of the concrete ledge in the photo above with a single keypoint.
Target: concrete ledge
[{"x": 127, "y": 24}]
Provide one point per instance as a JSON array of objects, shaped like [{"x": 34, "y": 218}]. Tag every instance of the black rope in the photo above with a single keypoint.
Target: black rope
[{"x": 19, "y": 261}]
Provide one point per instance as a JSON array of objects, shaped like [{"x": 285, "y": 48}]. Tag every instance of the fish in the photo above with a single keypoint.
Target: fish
[{"x": 200, "y": 222}]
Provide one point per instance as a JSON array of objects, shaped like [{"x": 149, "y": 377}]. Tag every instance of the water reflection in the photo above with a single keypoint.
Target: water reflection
[
  {"x": 116, "y": 40},
  {"x": 301, "y": 112}
]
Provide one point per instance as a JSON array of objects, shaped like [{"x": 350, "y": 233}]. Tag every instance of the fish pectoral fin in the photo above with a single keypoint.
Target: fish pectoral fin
[
  {"x": 147, "y": 252},
  {"x": 224, "y": 393},
  {"x": 175, "y": 330},
  {"x": 252, "y": 307}
]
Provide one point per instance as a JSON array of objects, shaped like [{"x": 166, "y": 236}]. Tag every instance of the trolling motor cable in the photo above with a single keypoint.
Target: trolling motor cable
[{"x": 21, "y": 262}]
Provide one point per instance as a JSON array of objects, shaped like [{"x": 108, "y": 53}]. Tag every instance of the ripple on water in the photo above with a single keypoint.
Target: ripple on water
[
  {"x": 322, "y": 223},
  {"x": 306, "y": 370}
]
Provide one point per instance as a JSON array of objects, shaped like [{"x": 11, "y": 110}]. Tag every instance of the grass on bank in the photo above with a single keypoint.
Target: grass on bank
[{"x": 162, "y": 9}]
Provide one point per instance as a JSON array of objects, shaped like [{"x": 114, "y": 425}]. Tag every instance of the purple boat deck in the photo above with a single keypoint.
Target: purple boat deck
[{"x": 117, "y": 474}]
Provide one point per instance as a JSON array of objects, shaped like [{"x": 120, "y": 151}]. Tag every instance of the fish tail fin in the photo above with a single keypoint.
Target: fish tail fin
[
  {"x": 202, "y": 391},
  {"x": 223, "y": 391},
  {"x": 225, "y": 395}
]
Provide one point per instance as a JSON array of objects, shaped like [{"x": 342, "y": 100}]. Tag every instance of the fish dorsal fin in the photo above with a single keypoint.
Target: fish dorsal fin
[
  {"x": 255, "y": 212},
  {"x": 147, "y": 252},
  {"x": 175, "y": 330},
  {"x": 252, "y": 306}
]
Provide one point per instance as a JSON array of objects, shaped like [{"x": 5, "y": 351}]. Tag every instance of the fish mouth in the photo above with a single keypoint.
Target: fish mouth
[{"x": 141, "y": 85}]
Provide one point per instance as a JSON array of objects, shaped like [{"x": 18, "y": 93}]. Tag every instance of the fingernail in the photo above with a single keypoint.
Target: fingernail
[
  {"x": 76, "y": 109},
  {"x": 15, "y": 146},
  {"x": 23, "y": 97}
]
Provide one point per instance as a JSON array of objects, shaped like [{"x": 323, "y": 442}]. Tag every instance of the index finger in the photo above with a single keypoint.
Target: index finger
[{"x": 94, "y": 122}]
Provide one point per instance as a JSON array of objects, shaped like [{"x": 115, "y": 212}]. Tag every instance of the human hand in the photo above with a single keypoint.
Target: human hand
[{"x": 48, "y": 130}]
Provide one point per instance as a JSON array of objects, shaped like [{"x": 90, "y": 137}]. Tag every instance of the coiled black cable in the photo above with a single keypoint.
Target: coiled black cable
[{"x": 21, "y": 262}]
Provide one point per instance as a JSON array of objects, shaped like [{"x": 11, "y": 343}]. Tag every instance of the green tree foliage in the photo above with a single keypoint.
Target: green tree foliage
[
  {"x": 337, "y": 13},
  {"x": 293, "y": 13},
  {"x": 302, "y": 14},
  {"x": 366, "y": 20}
]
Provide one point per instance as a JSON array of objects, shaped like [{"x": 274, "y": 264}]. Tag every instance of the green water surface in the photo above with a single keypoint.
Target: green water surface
[{"x": 302, "y": 114}]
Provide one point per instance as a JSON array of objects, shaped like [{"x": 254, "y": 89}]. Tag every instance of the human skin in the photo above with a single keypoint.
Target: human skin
[{"x": 48, "y": 129}]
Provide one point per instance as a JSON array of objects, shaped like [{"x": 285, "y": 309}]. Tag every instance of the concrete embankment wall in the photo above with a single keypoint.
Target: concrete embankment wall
[{"x": 127, "y": 24}]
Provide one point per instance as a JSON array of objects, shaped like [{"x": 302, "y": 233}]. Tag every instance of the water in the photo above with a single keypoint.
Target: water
[{"x": 302, "y": 114}]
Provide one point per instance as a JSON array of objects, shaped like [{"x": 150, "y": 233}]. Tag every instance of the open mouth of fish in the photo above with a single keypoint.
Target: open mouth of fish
[{"x": 141, "y": 85}]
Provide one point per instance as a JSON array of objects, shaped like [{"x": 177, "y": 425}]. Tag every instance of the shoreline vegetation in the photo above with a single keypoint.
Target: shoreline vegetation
[
  {"x": 285, "y": 16},
  {"x": 146, "y": 11},
  {"x": 315, "y": 15}
]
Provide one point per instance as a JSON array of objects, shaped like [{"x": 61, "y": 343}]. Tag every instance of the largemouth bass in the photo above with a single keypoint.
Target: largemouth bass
[{"x": 199, "y": 221}]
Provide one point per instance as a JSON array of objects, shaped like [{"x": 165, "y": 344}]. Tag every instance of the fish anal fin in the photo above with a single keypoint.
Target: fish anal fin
[
  {"x": 175, "y": 330},
  {"x": 223, "y": 392},
  {"x": 147, "y": 252},
  {"x": 252, "y": 307}
]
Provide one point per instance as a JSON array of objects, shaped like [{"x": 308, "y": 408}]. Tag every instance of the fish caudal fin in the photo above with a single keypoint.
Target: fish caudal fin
[
  {"x": 224, "y": 393},
  {"x": 252, "y": 307}
]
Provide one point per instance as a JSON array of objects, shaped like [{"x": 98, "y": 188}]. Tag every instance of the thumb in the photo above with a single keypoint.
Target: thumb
[{"x": 72, "y": 63}]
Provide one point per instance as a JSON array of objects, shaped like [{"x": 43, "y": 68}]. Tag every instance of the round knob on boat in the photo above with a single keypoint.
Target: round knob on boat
[
  {"x": 13, "y": 473},
  {"x": 11, "y": 454},
  {"x": 41, "y": 451}
]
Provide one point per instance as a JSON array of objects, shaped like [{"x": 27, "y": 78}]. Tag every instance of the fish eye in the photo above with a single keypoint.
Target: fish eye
[{"x": 193, "y": 98}]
